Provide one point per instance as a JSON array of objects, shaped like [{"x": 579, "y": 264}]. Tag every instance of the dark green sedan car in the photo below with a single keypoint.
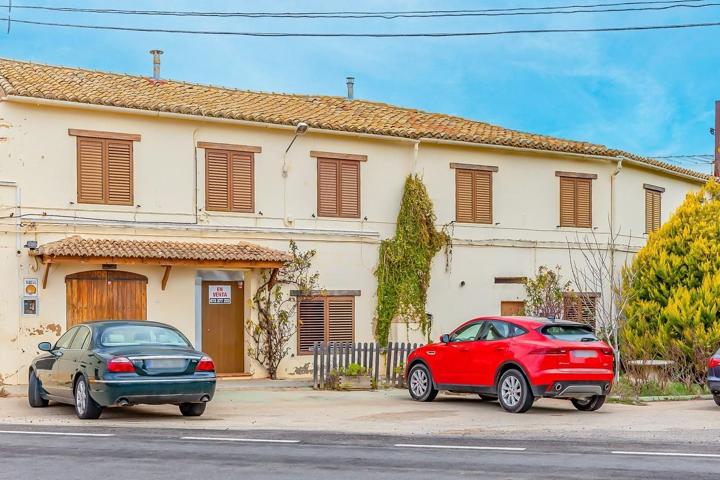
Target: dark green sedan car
[{"x": 120, "y": 363}]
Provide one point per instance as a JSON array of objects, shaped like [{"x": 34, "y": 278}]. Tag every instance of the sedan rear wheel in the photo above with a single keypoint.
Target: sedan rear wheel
[
  {"x": 589, "y": 404},
  {"x": 192, "y": 409},
  {"x": 85, "y": 407},
  {"x": 716, "y": 397},
  {"x": 514, "y": 392},
  {"x": 420, "y": 384}
]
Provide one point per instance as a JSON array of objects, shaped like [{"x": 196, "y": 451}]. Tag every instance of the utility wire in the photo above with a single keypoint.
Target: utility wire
[
  {"x": 390, "y": 15},
  {"x": 368, "y": 35},
  {"x": 367, "y": 13}
]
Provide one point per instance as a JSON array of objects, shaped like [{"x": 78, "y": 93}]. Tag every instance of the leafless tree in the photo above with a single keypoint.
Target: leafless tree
[
  {"x": 276, "y": 325},
  {"x": 599, "y": 269}
]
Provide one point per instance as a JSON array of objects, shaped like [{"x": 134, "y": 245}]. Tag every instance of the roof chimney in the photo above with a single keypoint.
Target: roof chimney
[
  {"x": 716, "y": 164},
  {"x": 156, "y": 63},
  {"x": 350, "y": 81}
]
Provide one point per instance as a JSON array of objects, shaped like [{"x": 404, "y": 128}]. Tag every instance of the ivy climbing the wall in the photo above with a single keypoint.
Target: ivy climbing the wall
[{"x": 403, "y": 271}]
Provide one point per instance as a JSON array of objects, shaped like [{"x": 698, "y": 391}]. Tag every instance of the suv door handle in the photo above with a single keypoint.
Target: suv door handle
[{"x": 500, "y": 349}]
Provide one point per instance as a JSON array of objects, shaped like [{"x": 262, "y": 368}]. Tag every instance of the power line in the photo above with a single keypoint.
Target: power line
[
  {"x": 389, "y": 15},
  {"x": 367, "y": 35}
]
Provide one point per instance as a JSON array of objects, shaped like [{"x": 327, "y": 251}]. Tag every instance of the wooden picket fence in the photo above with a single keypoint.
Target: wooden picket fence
[{"x": 334, "y": 356}]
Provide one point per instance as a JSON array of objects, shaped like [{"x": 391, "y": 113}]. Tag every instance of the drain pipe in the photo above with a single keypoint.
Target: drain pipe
[{"x": 616, "y": 315}]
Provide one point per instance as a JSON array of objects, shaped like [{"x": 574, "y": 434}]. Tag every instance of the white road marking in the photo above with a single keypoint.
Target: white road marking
[
  {"x": 67, "y": 434},
  {"x": 668, "y": 454},
  {"x": 247, "y": 440},
  {"x": 460, "y": 447}
]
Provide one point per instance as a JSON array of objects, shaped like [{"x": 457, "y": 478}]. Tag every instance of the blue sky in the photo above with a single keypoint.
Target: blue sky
[{"x": 647, "y": 92}]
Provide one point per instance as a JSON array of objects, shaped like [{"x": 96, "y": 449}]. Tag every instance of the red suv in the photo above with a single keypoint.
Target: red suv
[{"x": 515, "y": 360}]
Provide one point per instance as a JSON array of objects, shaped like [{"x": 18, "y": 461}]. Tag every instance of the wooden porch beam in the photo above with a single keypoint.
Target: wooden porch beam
[
  {"x": 164, "y": 262},
  {"x": 45, "y": 276},
  {"x": 166, "y": 275}
]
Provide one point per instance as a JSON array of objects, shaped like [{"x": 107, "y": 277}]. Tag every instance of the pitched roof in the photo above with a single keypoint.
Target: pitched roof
[
  {"x": 323, "y": 112},
  {"x": 79, "y": 247}
]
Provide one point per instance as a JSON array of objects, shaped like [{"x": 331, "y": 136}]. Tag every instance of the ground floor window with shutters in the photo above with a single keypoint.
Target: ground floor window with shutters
[
  {"x": 653, "y": 207},
  {"x": 473, "y": 193},
  {"x": 325, "y": 319},
  {"x": 230, "y": 179},
  {"x": 580, "y": 307},
  {"x": 104, "y": 167},
  {"x": 576, "y": 199}
]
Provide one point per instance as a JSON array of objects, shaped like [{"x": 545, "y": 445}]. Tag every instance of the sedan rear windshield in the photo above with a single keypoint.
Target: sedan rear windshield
[
  {"x": 132, "y": 335},
  {"x": 570, "y": 333}
]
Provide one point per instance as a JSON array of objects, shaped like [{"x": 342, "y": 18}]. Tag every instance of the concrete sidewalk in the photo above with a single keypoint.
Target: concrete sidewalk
[{"x": 275, "y": 405}]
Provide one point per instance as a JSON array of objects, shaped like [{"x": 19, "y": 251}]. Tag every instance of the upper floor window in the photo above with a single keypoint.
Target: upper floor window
[
  {"x": 325, "y": 319},
  {"x": 229, "y": 177},
  {"x": 473, "y": 193},
  {"x": 338, "y": 184},
  {"x": 653, "y": 202},
  {"x": 104, "y": 167},
  {"x": 576, "y": 199},
  {"x": 580, "y": 307}
]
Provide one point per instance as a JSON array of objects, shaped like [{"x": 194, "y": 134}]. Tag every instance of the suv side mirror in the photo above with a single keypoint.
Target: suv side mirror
[
  {"x": 445, "y": 338},
  {"x": 45, "y": 346}
]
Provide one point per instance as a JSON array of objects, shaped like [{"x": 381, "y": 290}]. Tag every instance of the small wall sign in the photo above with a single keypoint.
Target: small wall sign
[
  {"x": 30, "y": 287},
  {"x": 30, "y": 306},
  {"x": 219, "y": 294}
]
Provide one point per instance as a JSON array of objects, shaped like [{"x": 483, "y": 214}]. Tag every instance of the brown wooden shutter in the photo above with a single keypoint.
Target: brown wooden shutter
[
  {"x": 311, "y": 328},
  {"x": 652, "y": 210},
  {"x": 340, "y": 319},
  {"x": 567, "y": 202},
  {"x": 349, "y": 189},
  {"x": 242, "y": 175},
  {"x": 217, "y": 175},
  {"x": 583, "y": 205},
  {"x": 90, "y": 170},
  {"x": 483, "y": 197},
  {"x": 464, "y": 196},
  {"x": 328, "y": 188},
  {"x": 119, "y": 172}
]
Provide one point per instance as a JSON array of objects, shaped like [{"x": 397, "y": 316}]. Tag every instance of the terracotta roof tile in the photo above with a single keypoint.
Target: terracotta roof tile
[
  {"x": 325, "y": 112},
  {"x": 77, "y": 246}
]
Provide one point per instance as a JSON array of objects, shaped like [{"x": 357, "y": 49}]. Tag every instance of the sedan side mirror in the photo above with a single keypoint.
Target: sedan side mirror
[
  {"x": 45, "y": 346},
  {"x": 445, "y": 338}
]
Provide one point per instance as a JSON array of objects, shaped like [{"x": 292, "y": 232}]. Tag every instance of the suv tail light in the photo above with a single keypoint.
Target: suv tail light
[
  {"x": 120, "y": 365},
  {"x": 205, "y": 364},
  {"x": 549, "y": 351},
  {"x": 607, "y": 351},
  {"x": 714, "y": 362}
]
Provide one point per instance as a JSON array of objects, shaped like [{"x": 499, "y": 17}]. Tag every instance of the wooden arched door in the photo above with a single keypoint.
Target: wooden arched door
[{"x": 105, "y": 295}]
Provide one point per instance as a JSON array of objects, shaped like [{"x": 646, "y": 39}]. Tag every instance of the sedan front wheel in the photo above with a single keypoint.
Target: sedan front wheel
[{"x": 420, "y": 384}]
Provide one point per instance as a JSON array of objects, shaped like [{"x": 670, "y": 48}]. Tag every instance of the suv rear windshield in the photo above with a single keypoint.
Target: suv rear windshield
[
  {"x": 570, "y": 333},
  {"x": 132, "y": 335}
]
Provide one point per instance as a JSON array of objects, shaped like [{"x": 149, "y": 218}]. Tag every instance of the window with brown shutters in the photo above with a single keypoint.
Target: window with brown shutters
[
  {"x": 576, "y": 201},
  {"x": 580, "y": 307},
  {"x": 230, "y": 181},
  {"x": 104, "y": 171},
  {"x": 473, "y": 196},
  {"x": 653, "y": 200},
  {"x": 338, "y": 188},
  {"x": 325, "y": 319}
]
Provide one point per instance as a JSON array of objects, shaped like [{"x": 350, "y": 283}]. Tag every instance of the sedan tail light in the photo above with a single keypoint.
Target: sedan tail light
[
  {"x": 120, "y": 365},
  {"x": 205, "y": 364},
  {"x": 714, "y": 362}
]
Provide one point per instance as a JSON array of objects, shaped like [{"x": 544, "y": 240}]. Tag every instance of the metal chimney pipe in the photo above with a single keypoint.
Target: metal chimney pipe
[
  {"x": 350, "y": 81},
  {"x": 156, "y": 63}
]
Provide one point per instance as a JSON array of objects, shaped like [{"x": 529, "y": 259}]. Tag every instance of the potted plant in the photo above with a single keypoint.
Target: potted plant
[{"x": 355, "y": 377}]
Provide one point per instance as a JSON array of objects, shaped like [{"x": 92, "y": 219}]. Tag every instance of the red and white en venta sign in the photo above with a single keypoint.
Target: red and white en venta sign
[{"x": 220, "y": 294}]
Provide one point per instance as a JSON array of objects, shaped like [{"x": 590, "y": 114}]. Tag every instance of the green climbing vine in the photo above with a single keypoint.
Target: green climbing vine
[{"x": 403, "y": 271}]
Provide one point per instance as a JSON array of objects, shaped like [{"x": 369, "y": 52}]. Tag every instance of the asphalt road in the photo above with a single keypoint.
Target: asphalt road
[{"x": 60, "y": 453}]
